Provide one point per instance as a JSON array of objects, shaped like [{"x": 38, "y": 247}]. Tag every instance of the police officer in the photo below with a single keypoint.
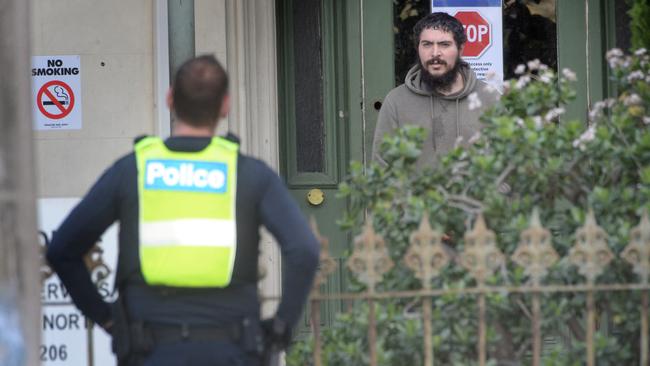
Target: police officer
[{"x": 189, "y": 208}]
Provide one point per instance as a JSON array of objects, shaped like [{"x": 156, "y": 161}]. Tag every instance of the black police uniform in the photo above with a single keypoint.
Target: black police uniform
[{"x": 262, "y": 199}]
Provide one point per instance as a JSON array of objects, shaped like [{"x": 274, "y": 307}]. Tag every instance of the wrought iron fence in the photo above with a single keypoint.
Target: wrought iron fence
[{"x": 427, "y": 258}]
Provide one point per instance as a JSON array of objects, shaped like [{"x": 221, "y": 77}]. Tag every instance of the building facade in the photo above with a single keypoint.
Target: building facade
[{"x": 307, "y": 81}]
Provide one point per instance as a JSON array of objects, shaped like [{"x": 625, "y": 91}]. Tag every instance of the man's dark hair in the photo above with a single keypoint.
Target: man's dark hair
[
  {"x": 198, "y": 90},
  {"x": 443, "y": 22}
]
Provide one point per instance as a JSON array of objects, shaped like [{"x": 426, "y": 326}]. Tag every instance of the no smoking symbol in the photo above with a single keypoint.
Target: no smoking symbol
[{"x": 55, "y": 99}]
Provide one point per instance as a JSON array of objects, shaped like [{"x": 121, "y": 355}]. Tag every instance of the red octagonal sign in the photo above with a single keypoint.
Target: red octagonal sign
[{"x": 478, "y": 32}]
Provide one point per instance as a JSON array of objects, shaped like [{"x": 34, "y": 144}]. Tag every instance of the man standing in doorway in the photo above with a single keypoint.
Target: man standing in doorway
[
  {"x": 440, "y": 93},
  {"x": 190, "y": 208}
]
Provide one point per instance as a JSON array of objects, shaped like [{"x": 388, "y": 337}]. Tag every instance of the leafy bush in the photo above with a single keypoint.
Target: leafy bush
[
  {"x": 526, "y": 156},
  {"x": 640, "y": 23},
  {"x": 345, "y": 342}
]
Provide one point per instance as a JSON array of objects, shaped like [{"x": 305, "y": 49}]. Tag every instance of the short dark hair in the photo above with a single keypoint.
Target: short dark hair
[
  {"x": 443, "y": 22},
  {"x": 198, "y": 90}
]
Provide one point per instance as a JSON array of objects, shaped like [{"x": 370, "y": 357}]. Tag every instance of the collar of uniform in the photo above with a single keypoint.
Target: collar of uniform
[
  {"x": 190, "y": 143},
  {"x": 193, "y": 143}
]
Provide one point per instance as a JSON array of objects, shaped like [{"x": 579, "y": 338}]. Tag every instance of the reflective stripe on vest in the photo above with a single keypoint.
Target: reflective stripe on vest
[{"x": 188, "y": 234}]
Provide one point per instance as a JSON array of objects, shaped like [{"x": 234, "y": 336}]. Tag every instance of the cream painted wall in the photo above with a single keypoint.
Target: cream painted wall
[
  {"x": 251, "y": 52},
  {"x": 117, "y": 96},
  {"x": 241, "y": 34},
  {"x": 210, "y": 36},
  {"x": 210, "y": 28}
]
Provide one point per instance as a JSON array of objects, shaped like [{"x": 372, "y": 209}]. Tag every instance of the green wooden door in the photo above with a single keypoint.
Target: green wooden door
[
  {"x": 323, "y": 85},
  {"x": 335, "y": 61},
  {"x": 586, "y": 30}
]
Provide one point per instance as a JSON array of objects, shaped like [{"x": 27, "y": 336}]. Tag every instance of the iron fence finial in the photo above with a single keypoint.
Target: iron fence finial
[
  {"x": 426, "y": 256},
  {"x": 590, "y": 254},
  {"x": 535, "y": 252},
  {"x": 637, "y": 252},
  {"x": 327, "y": 264},
  {"x": 370, "y": 259},
  {"x": 481, "y": 257}
]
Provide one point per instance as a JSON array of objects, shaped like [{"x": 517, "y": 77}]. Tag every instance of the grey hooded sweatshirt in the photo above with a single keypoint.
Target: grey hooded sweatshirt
[{"x": 445, "y": 117}]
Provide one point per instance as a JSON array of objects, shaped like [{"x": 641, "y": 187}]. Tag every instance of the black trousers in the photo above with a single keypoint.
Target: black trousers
[{"x": 195, "y": 353}]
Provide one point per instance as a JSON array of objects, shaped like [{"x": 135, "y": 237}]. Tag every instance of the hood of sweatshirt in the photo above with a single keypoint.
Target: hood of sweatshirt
[{"x": 413, "y": 81}]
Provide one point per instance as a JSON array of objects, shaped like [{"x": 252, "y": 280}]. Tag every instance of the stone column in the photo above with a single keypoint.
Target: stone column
[
  {"x": 252, "y": 66},
  {"x": 19, "y": 260}
]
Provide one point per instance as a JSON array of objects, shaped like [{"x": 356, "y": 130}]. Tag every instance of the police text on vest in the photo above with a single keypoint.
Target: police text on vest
[{"x": 186, "y": 175}]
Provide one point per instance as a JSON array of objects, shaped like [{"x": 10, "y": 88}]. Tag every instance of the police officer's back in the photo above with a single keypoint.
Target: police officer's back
[{"x": 189, "y": 208}]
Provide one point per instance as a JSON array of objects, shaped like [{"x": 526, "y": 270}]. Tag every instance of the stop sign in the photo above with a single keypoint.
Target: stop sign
[{"x": 478, "y": 32}]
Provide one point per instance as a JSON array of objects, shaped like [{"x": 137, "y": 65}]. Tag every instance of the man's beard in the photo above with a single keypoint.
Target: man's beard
[{"x": 443, "y": 82}]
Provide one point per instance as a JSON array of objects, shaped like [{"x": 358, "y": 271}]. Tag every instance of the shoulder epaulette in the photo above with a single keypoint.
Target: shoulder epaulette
[
  {"x": 139, "y": 138},
  {"x": 233, "y": 138}
]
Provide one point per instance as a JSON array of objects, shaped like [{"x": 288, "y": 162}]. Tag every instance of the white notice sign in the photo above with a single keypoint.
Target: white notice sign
[
  {"x": 483, "y": 23},
  {"x": 56, "y": 92},
  {"x": 67, "y": 336}
]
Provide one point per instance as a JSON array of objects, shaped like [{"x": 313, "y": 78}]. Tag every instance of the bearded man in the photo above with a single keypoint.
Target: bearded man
[{"x": 440, "y": 93}]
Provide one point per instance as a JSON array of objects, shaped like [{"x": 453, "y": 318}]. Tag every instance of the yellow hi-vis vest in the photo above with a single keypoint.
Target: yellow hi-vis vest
[{"x": 187, "y": 213}]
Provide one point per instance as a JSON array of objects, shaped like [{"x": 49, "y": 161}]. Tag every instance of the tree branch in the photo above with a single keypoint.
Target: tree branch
[
  {"x": 504, "y": 174},
  {"x": 462, "y": 202}
]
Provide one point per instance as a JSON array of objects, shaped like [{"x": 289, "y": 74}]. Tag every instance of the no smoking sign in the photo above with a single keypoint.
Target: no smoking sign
[
  {"x": 55, "y": 99},
  {"x": 56, "y": 90}
]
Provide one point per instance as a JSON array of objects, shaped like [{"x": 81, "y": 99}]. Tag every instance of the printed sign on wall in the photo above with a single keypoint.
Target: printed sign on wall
[
  {"x": 56, "y": 92},
  {"x": 67, "y": 337},
  {"x": 483, "y": 23}
]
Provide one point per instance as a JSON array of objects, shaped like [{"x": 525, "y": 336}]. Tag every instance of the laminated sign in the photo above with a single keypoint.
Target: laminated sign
[
  {"x": 67, "y": 337},
  {"x": 483, "y": 23},
  {"x": 56, "y": 92}
]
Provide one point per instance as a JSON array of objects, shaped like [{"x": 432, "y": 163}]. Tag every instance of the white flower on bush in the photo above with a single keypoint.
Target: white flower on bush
[
  {"x": 569, "y": 75},
  {"x": 496, "y": 89},
  {"x": 458, "y": 142},
  {"x": 490, "y": 88},
  {"x": 618, "y": 62},
  {"x": 614, "y": 62},
  {"x": 519, "y": 122},
  {"x": 614, "y": 58},
  {"x": 586, "y": 137},
  {"x": 475, "y": 137},
  {"x": 626, "y": 63},
  {"x": 595, "y": 113},
  {"x": 522, "y": 82},
  {"x": 646, "y": 120},
  {"x": 474, "y": 101},
  {"x": 521, "y": 68},
  {"x": 554, "y": 114},
  {"x": 613, "y": 53},
  {"x": 493, "y": 84},
  {"x": 599, "y": 106},
  {"x": 546, "y": 77},
  {"x": 640, "y": 52},
  {"x": 632, "y": 100},
  {"x": 635, "y": 75},
  {"x": 506, "y": 86},
  {"x": 534, "y": 64}
]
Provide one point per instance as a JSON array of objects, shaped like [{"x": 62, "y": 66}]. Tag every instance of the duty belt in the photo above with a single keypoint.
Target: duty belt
[{"x": 170, "y": 333}]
